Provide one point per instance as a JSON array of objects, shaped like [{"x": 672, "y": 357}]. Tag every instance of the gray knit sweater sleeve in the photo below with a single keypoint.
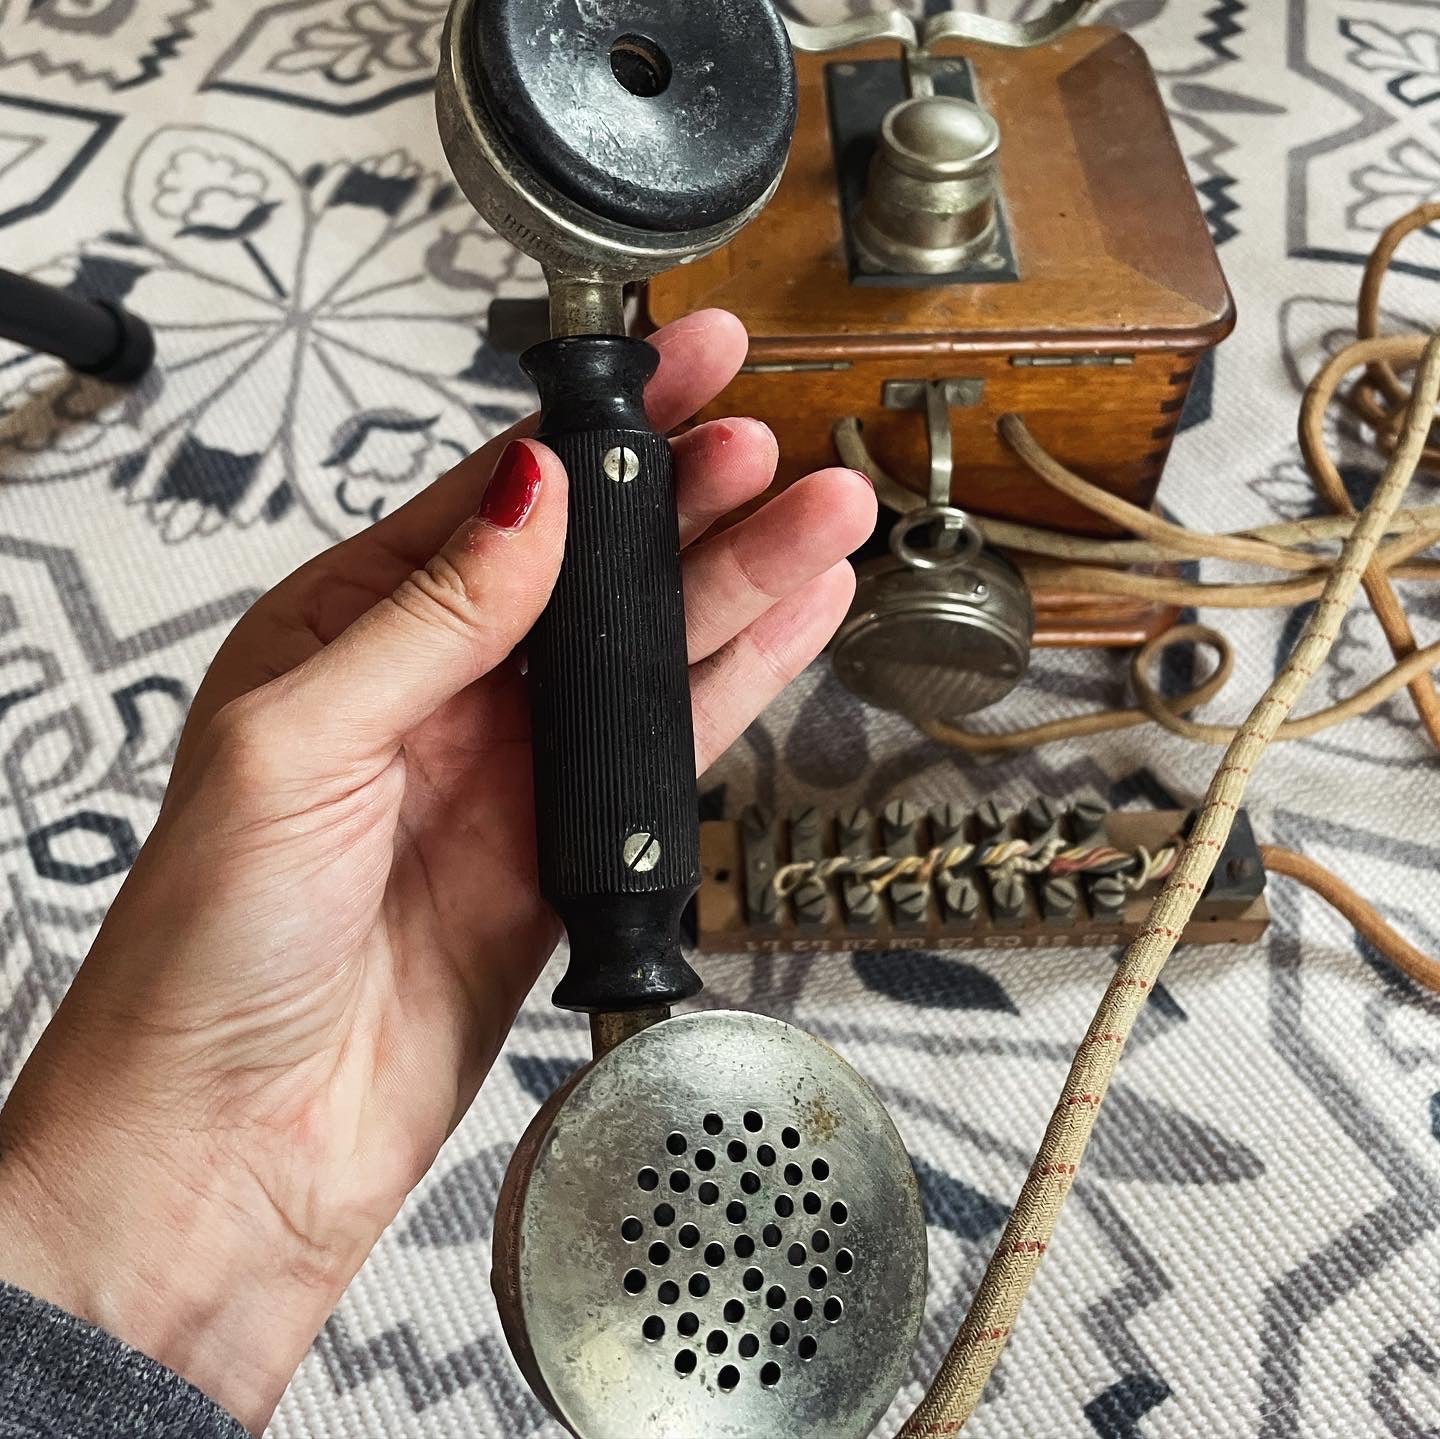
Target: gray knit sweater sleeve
[{"x": 61, "y": 1378}]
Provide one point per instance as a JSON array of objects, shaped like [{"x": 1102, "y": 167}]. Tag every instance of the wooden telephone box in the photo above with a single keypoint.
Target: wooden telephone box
[{"x": 1088, "y": 316}]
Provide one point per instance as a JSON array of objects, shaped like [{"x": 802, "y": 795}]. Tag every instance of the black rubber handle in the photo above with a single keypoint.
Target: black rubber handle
[{"x": 615, "y": 803}]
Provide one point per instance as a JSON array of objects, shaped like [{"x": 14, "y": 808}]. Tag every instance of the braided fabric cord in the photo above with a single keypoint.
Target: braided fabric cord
[
  {"x": 1406, "y": 957},
  {"x": 963, "y": 1374}
]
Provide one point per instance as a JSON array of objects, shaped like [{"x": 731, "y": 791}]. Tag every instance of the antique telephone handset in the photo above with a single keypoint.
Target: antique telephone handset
[{"x": 714, "y": 1228}]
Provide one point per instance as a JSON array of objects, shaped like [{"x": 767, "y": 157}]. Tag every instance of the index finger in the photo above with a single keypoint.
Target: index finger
[{"x": 699, "y": 355}]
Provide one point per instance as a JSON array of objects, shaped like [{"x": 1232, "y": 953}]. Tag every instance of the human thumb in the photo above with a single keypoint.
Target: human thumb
[{"x": 446, "y": 625}]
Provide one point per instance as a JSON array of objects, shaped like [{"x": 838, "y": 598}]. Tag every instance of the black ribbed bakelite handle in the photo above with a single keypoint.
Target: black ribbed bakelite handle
[{"x": 615, "y": 803}]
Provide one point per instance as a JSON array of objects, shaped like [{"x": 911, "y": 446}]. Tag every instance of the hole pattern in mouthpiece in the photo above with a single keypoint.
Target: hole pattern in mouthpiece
[{"x": 733, "y": 1300}]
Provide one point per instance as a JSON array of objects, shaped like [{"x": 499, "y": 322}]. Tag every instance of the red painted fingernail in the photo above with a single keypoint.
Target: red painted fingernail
[{"x": 513, "y": 488}]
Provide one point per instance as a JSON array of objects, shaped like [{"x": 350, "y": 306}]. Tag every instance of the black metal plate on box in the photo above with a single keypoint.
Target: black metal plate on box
[{"x": 861, "y": 93}]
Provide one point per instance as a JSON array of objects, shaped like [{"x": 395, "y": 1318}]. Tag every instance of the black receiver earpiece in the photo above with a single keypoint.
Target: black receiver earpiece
[{"x": 646, "y": 113}]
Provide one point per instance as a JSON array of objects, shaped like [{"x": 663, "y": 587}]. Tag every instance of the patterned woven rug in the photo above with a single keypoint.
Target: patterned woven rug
[{"x": 1252, "y": 1248}]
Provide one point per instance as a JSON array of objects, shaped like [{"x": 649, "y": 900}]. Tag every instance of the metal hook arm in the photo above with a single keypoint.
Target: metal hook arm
[
  {"x": 887, "y": 25},
  {"x": 959, "y": 537},
  {"x": 1063, "y": 15}
]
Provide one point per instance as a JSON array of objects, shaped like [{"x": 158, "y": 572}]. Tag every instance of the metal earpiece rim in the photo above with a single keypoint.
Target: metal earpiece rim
[{"x": 525, "y": 211}]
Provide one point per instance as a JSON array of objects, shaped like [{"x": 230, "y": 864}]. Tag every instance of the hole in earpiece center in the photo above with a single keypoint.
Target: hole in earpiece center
[{"x": 640, "y": 65}]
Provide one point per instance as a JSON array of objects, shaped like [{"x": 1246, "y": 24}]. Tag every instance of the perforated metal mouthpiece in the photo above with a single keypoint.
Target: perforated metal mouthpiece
[{"x": 721, "y": 1235}]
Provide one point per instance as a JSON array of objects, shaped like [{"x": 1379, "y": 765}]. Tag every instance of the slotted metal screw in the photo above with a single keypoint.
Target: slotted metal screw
[
  {"x": 1108, "y": 893},
  {"x": 622, "y": 464},
  {"x": 641, "y": 852},
  {"x": 910, "y": 901},
  {"x": 862, "y": 904},
  {"x": 1010, "y": 894},
  {"x": 962, "y": 899},
  {"x": 811, "y": 903},
  {"x": 854, "y": 826},
  {"x": 899, "y": 814},
  {"x": 991, "y": 818},
  {"x": 1087, "y": 819},
  {"x": 1040, "y": 816},
  {"x": 1062, "y": 896},
  {"x": 946, "y": 822}
]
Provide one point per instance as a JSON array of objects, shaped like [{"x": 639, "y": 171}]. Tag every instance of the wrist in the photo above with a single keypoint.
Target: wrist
[{"x": 166, "y": 1250}]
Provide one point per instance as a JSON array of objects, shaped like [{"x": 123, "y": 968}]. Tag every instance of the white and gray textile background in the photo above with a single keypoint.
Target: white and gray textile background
[{"x": 1254, "y": 1246}]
